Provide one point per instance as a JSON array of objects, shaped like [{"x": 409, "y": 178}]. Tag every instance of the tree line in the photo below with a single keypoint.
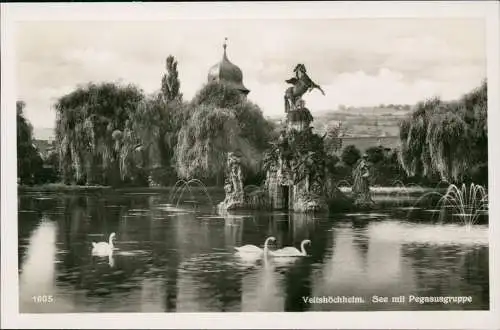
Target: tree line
[{"x": 113, "y": 134}]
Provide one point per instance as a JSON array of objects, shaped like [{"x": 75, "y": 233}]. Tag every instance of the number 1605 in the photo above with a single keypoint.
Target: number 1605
[{"x": 43, "y": 299}]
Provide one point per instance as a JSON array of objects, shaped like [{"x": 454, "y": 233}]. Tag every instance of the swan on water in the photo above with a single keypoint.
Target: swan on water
[
  {"x": 290, "y": 251},
  {"x": 249, "y": 248},
  {"x": 103, "y": 248}
]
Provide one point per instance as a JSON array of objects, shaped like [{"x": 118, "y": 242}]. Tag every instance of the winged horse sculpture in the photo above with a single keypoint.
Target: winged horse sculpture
[{"x": 301, "y": 84}]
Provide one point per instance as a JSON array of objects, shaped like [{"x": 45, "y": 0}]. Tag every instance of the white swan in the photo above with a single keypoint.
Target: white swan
[
  {"x": 103, "y": 248},
  {"x": 290, "y": 251},
  {"x": 252, "y": 249}
]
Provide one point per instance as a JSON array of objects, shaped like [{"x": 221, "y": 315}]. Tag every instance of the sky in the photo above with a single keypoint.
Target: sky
[{"x": 358, "y": 62}]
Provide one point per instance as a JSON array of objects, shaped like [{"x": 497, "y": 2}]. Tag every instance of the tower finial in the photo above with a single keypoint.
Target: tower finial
[{"x": 224, "y": 45}]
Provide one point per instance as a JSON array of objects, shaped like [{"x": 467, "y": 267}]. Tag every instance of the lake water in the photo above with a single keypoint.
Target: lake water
[{"x": 182, "y": 259}]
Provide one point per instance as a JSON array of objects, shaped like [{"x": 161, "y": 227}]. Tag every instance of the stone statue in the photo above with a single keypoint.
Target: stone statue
[
  {"x": 235, "y": 174},
  {"x": 361, "y": 186},
  {"x": 233, "y": 184},
  {"x": 301, "y": 84}
]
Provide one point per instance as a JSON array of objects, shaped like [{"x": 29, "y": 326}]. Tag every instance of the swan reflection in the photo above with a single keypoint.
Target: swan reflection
[{"x": 262, "y": 289}]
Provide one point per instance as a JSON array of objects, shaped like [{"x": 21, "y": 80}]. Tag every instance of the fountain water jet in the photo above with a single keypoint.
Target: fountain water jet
[
  {"x": 180, "y": 187},
  {"x": 468, "y": 203},
  {"x": 400, "y": 194}
]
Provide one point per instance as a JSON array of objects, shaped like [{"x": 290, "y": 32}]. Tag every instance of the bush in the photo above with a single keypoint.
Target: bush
[{"x": 350, "y": 155}]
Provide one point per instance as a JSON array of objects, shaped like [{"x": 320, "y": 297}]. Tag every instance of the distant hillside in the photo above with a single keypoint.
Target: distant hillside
[
  {"x": 363, "y": 127},
  {"x": 362, "y": 122}
]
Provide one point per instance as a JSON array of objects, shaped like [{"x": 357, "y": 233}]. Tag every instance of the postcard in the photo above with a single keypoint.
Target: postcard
[{"x": 250, "y": 165}]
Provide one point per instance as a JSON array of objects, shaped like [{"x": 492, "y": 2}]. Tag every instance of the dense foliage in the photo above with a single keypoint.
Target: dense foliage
[
  {"x": 383, "y": 163},
  {"x": 221, "y": 120},
  {"x": 385, "y": 169},
  {"x": 350, "y": 155},
  {"x": 113, "y": 135},
  {"x": 156, "y": 125},
  {"x": 92, "y": 132},
  {"x": 254, "y": 126},
  {"x": 447, "y": 139},
  {"x": 170, "y": 84},
  {"x": 29, "y": 161},
  {"x": 333, "y": 139},
  {"x": 308, "y": 154},
  {"x": 205, "y": 140}
]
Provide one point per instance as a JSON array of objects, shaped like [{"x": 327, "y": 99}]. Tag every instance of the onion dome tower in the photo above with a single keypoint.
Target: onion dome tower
[{"x": 227, "y": 73}]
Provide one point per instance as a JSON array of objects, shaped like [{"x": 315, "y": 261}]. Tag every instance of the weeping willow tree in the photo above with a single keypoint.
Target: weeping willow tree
[
  {"x": 219, "y": 120},
  {"x": 155, "y": 127},
  {"x": 93, "y": 132},
  {"x": 254, "y": 127},
  {"x": 446, "y": 139},
  {"x": 205, "y": 140}
]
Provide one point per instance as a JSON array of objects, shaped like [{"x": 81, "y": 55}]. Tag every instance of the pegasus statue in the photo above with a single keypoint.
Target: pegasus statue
[{"x": 301, "y": 84}]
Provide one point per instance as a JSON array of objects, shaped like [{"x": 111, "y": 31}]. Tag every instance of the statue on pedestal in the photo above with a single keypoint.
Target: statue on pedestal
[{"x": 361, "y": 186}]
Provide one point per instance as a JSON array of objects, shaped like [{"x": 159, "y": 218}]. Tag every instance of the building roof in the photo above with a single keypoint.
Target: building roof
[{"x": 228, "y": 73}]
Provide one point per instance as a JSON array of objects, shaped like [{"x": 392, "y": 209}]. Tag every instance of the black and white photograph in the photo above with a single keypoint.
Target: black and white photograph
[{"x": 233, "y": 162}]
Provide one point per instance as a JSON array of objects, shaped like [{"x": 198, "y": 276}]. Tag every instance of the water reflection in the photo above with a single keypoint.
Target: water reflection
[
  {"x": 263, "y": 289},
  {"x": 400, "y": 259},
  {"x": 38, "y": 269},
  {"x": 182, "y": 259},
  {"x": 152, "y": 295}
]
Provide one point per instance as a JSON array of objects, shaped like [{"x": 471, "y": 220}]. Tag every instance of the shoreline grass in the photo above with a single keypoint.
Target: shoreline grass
[{"x": 59, "y": 187}]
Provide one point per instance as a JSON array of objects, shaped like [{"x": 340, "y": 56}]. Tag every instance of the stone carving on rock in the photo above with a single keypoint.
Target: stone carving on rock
[{"x": 233, "y": 185}]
